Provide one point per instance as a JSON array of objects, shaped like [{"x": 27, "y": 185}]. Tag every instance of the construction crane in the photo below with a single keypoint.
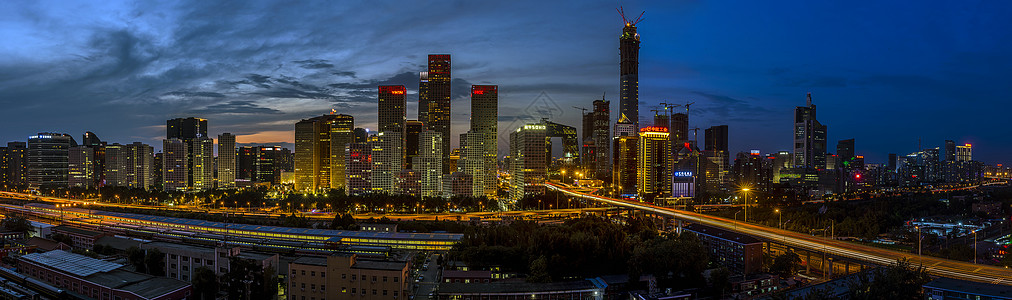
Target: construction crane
[
  {"x": 583, "y": 110},
  {"x": 687, "y": 104},
  {"x": 626, "y": 21},
  {"x": 695, "y": 135},
  {"x": 668, "y": 106}
]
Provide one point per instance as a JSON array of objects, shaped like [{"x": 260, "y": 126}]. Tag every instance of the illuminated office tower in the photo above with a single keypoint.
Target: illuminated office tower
[
  {"x": 189, "y": 130},
  {"x": 715, "y": 148},
  {"x": 602, "y": 138},
  {"x": 430, "y": 163},
  {"x": 81, "y": 167},
  {"x": 130, "y": 165},
  {"x": 653, "y": 171},
  {"x": 391, "y": 115},
  {"x": 473, "y": 162},
  {"x": 14, "y": 164},
  {"x": 528, "y": 161},
  {"x": 174, "y": 158},
  {"x": 436, "y": 100},
  {"x": 413, "y": 131},
  {"x": 358, "y": 164},
  {"x": 964, "y": 153},
  {"x": 624, "y": 153},
  {"x": 319, "y": 151},
  {"x": 48, "y": 160},
  {"x": 92, "y": 141},
  {"x": 809, "y": 138},
  {"x": 226, "y": 160},
  {"x": 386, "y": 161},
  {"x": 409, "y": 183},
  {"x": 481, "y": 148},
  {"x": 203, "y": 164}
]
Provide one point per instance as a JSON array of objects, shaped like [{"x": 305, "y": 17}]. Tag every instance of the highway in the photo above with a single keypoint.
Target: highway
[
  {"x": 328, "y": 216},
  {"x": 935, "y": 266}
]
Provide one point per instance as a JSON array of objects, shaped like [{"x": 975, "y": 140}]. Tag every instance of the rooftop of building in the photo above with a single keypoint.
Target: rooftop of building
[
  {"x": 310, "y": 260},
  {"x": 106, "y": 274},
  {"x": 118, "y": 243},
  {"x": 380, "y": 265},
  {"x": 515, "y": 287},
  {"x": 143, "y": 285},
  {"x": 722, "y": 234},
  {"x": 46, "y": 244},
  {"x": 466, "y": 274},
  {"x": 75, "y": 264},
  {"x": 970, "y": 287}
]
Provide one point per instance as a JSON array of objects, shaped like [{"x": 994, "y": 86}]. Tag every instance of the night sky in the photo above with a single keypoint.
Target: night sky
[{"x": 886, "y": 73}]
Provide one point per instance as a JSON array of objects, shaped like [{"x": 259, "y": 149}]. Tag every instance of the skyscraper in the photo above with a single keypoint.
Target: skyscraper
[
  {"x": 964, "y": 153},
  {"x": 528, "y": 161},
  {"x": 130, "y": 165},
  {"x": 174, "y": 158},
  {"x": 392, "y": 110},
  {"x": 319, "y": 151},
  {"x": 430, "y": 163},
  {"x": 950, "y": 150},
  {"x": 81, "y": 167},
  {"x": 601, "y": 136},
  {"x": 189, "y": 130},
  {"x": 386, "y": 155},
  {"x": 845, "y": 153},
  {"x": 202, "y": 157},
  {"x": 97, "y": 146},
  {"x": 653, "y": 171},
  {"x": 629, "y": 48},
  {"x": 226, "y": 160},
  {"x": 48, "y": 159},
  {"x": 624, "y": 153},
  {"x": 358, "y": 164},
  {"x": 413, "y": 130},
  {"x": 185, "y": 128},
  {"x": 715, "y": 149},
  {"x": 481, "y": 148},
  {"x": 15, "y": 163},
  {"x": 809, "y": 138},
  {"x": 436, "y": 85}
]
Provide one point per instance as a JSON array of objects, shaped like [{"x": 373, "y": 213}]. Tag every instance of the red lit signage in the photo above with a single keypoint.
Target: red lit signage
[
  {"x": 653, "y": 129},
  {"x": 479, "y": 92},
  {"x": 397, "y": 92}
]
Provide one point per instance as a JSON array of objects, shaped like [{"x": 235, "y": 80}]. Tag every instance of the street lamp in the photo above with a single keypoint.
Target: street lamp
[
  {"x": 780, "y": 223},
  {"x": 974, "y": 246},
  {"x": 918, "y": 240},
  {"x": 745, "y": 192}
]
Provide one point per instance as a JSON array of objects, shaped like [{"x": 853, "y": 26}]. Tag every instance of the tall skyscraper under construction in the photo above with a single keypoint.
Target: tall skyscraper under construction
[{"x": 629, "y": 51}]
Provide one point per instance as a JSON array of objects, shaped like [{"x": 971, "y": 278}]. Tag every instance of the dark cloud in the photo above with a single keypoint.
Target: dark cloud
[
  {"x": 195, "y": 94},
  {"x": 314, "y": 64},
  {"x": 237, "y": 107}
]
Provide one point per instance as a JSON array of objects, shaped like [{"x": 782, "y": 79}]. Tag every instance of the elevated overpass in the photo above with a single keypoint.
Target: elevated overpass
[{"x": 936, "y": 266}]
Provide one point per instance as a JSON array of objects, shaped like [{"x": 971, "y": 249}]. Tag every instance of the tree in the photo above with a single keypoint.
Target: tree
[
  {"x": 785, "y": 264},
  {"x": 901, "y": 280},
  {"x": 136, "y": 257},
  {"x": 247, "y": 278},
  {"x": 154, "y": 261},
  {"x": 720, "y": 281},
  {"x": 205, "y": 283},
  {"x": 16, "y": 223},
  {"x": 539, "y": 270}
]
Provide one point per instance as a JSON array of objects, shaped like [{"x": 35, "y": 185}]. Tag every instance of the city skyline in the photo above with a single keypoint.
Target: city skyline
[{"x": 141, "y": 68}]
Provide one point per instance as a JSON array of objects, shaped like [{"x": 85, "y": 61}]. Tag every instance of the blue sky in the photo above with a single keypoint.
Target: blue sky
[{"x": 886, "y": 73}]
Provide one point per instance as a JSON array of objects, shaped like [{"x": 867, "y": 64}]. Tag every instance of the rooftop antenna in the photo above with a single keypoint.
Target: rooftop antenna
[{"x": 627, "y": 21}]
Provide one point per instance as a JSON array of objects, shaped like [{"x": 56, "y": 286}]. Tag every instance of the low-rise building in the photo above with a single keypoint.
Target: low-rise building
[
  {"x": 951, "y": 289},
  {"x": 346, "y": 276},
  {"x": 99, "y": 279},
  {"x": 181, "y": 260},
  {"x": 739, "y": 253},
  {"x": 80, "y": 238}
]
